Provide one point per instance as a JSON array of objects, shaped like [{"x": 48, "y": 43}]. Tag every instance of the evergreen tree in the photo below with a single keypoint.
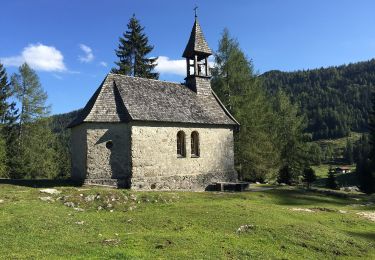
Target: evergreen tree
[
  {"x": 348, "y": 152},
  {"x": 366, "y": 164},
  {"x": 31, "y": 96},
  {"x": 331, "y": 180},
  {"x": 6, "y": 109},
  {"x": 309, "y": 176},
  {"x": 315, "y": 154},
  {"x": 132, "y": 53},
  {"x": 32, "y": 148},
  {"x": 238, "y": 88},
  {"x": 285, "y": 175},
  {"x": 288, "y": 127},
  {"x": 7, "y": 118}
]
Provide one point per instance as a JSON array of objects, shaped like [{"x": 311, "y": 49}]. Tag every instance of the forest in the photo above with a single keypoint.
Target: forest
[{"x": 335, "y": 100}]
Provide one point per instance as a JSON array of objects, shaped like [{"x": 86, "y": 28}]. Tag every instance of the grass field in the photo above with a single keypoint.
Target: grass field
[{"x": 100, "y": 223}]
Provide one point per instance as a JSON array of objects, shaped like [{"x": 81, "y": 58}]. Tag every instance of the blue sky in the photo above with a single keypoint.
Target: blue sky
[{"x": 71, "y": 43}]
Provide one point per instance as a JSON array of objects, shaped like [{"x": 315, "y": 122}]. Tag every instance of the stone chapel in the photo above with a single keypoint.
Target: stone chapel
[{"x": 147, "y": 134}]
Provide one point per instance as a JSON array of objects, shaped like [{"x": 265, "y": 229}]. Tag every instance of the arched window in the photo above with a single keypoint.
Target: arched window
[
  {"x": 195, "y": 144},
  {"x": 181, "y": 147}
]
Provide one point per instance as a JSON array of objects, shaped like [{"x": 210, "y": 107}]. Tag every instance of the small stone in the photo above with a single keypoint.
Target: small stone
[
  {"x": 79, "y": 209},
  {"x": 343, "y": 211},
  {"x": 69, "y": 204},
  {"x": 80, "y": 222},
  {"x": 130, "y": 220},
  {"x": 100, "y": 208},
  {"x": 1, "y": 201},
  {"x": 301, "y": 209},
  {"x": 81, "y": 195},
  {"x": 133, "y": 197},
  {"x": 109, "y": 205},
  {"x": 50, "y": 191},
  {"x": 111, "y": 241},
  {"x": 245, "y": 228},
  {"x": 90, "y": 198},
  {"x": 111, "y": 210},
  {"x": 49, "y": 199},
  {"x": 257, "y": 182}
]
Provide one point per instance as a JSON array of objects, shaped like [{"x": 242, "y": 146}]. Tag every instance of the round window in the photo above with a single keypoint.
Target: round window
[{"x": 109, "y": 144}]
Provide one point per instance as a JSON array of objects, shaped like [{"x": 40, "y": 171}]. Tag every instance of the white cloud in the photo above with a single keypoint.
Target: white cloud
[
  {"x": 176, "y": 67},
  {"x": 39, "y": 57},
  {"x": 168, "y": 66},
  {"x": 103, "y": 63},
  {"x": 89, "y": 56}
]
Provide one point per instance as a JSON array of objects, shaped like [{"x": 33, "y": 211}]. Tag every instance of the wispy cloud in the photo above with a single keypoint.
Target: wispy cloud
[
  {"x": 39, "y": 57},
  {"x": 89, "y": 56},
  {"x": 103, "y": 63}
]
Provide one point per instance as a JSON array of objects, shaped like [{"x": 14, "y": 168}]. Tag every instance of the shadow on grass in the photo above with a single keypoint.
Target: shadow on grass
[
  {"x": 41, "y": 183},
  {"x": 343, "y": 180},
  {"x": 303, "y": 197},
  {"x": 366, "y": 235}
]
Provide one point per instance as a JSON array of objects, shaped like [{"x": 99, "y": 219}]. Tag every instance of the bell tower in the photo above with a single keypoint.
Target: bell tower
[{"x": 196, "y": 54}]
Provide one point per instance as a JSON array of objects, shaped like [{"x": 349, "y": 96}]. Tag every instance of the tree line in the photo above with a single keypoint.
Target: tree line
[{"x": 336, "y": 100}]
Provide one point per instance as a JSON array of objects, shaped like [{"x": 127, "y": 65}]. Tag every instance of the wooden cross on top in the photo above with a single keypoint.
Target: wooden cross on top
[{"x": 195, "y": 11}]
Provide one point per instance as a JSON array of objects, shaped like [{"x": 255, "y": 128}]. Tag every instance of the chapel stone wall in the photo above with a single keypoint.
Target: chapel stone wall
[
  {"x": 105, "y": 155},
  {"x": 155, "y": 164}
]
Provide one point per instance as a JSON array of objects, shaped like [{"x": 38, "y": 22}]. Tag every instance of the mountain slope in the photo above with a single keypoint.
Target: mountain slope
[{"x": 335, "y": 100}]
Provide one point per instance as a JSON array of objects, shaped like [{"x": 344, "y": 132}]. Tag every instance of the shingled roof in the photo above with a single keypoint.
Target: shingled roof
[
  {"x": 196, "y": 43},
  {"x": 123, "y": 98}
]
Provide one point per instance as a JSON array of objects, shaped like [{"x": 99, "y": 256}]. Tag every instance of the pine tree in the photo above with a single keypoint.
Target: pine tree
[
  {"x": 288, "y": 127},
  {"x": 238, "y": 88},
  {"x": 7, "y": 119},
  {"x": 32, "y": 148},
  {"x": 309, "y": 176},
  {"x": 31, "y": 96},
  {"x": 348, "y": 152},
  {"x": 331, "y": 180},
  {"x": 8, "y": 109},
  {"x": 132, "y": 53},
  {"x": 366, "y": 166}
]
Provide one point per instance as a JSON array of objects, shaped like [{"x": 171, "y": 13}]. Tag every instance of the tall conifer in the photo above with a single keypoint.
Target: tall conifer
[
  {"x": 132, "y": 53},
  {"x": 33, "y": 153}
]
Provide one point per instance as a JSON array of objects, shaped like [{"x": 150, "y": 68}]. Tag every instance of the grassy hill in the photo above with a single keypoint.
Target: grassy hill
[{"x": 100, "y": 223}]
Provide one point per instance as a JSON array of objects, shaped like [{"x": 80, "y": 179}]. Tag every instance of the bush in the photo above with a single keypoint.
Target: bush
[
  {"x": 331, "y": 181},
  {"x": 309, "y": 176},
  {"x": 285, "y": 175}
]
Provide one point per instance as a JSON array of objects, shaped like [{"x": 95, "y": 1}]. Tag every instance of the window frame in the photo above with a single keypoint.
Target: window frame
[
  {"x": 181, "y": 144},
  {"x": 195, "y": 145}
]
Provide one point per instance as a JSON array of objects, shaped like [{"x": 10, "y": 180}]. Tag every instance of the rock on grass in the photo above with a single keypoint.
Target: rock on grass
[
  {"x": 50, "y": 191},
  {"x": 368, "y": 215}
]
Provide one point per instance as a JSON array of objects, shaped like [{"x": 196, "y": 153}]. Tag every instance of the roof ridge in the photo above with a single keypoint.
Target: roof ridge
[{"x": 135, "y": 77}]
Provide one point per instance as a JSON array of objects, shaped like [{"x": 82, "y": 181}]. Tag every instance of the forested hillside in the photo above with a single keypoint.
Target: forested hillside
[{"x": 335, "y": 100}]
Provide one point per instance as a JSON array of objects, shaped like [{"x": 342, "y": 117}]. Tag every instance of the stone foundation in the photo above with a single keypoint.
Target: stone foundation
[
  {"x": 116, "y": 183},
  {"x": 198, "y": 182}
]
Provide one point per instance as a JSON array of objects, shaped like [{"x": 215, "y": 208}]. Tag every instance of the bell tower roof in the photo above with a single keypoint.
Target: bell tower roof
[{"x": 197, "y": 44}]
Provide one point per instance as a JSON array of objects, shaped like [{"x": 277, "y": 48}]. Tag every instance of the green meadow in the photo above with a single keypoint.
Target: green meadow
[{"x": 101, "y": 223}]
